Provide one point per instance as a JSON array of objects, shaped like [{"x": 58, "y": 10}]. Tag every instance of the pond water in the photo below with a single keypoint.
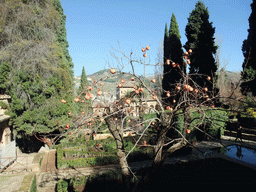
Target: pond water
[{"x": 241, "y": 153}]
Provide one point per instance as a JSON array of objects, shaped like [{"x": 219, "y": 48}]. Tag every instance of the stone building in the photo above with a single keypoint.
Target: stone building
[
  {"x": 7, "y": 143},
  {"x": 147, "y": 105}
]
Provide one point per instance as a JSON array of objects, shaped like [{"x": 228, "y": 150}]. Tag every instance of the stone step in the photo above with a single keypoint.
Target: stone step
[{"x": 244, "y": 135}]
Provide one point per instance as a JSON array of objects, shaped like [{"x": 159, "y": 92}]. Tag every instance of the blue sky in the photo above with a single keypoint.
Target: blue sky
[{"x": 95, "y": 26}]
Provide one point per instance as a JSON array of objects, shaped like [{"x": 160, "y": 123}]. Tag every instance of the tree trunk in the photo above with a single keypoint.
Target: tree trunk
[
  {"x": 158, "y": 151},
  {"x": 116, "y": 130}
]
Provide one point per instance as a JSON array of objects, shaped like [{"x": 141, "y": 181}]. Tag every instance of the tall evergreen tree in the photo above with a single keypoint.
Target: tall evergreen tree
[
  {"x": 83, "y": 83},
  {"x": 200, "y": 35},
  {"x": 249, "y": 64},
  {"x": 4, "y": 77},
  {"x": 172, "y": 51},
  {"x": 35, "y": 66}
]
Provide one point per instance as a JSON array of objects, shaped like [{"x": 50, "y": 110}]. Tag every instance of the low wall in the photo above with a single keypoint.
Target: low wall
[{"x": 107, "y": 135}]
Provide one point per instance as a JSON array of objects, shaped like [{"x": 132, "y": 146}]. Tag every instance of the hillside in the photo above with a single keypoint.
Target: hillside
[{"x": 110, "y": 81}]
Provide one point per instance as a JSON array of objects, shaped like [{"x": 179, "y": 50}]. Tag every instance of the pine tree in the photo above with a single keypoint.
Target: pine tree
[
  {"x": 83, "y": 83},
  {"x": 172, "y": 51},
  {"x": 200, "y": 35},
  {"x": 249, "y": 64}
]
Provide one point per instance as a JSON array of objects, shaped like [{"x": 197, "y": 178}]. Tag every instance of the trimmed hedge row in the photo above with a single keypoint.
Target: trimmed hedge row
[{"x": 86, "y": 158}]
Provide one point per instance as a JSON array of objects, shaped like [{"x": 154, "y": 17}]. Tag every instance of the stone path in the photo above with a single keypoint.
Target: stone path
[{"x": 11, "y": 179}]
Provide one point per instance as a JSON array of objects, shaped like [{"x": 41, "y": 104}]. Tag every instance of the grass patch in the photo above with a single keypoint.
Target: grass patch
[{"x": 27, "y": 180}]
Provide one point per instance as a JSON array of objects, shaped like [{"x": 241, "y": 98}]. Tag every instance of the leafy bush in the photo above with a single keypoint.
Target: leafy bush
[
  {"x": 76, "y": 181},
  {"x": 251, "y": 113},
  {"x": 62, "y": 186},
  {"x": 3, "y": 105}
]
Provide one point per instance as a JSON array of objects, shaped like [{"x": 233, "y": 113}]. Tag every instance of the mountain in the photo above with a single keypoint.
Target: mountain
[{"x": 110, "y": 81}]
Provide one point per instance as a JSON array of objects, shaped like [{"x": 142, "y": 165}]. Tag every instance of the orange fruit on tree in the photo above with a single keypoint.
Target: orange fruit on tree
[
  {"x": 143, "y": 49},
  {"x": 147, "y": 47},
  {"x": 76, "y": 99},
  {"x": 128, "y": 101},
  {"x": 112, "y": 70},
  {"x": 153, "y": 80},
  {"x": 145, "y": 55},
  {"x": 99, "y": 92},
  {"x": 120, "y": 85},
  {"x": 89, "y": 88}
]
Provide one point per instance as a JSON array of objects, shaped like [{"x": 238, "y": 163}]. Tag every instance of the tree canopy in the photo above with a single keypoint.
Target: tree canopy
[
  {"x": 173, "y": 52},
  {"x": 200, "y": 35},
  {"x": 36, "y": 68},
  {"x": 248, "y": 49}
]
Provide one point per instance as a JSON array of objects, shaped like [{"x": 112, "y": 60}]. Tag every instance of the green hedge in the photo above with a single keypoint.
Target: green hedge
[
  {"x": 99, "y": 158},
  {"x": 214, "y": 119},
  {"x": 33, "y": 187}
]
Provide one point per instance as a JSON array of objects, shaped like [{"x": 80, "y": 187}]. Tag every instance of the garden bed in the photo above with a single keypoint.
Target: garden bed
[{"x": 101, "y": 152}]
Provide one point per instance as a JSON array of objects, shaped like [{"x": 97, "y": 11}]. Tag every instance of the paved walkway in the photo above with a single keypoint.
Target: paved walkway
[{"x": 11, "y": 179}]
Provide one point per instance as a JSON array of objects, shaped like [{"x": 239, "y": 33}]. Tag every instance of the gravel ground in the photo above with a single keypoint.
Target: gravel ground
[{"x": 10, "y": 183}]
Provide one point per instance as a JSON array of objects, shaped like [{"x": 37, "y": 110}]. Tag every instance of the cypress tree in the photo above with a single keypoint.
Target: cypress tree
[
  {"x": 200, "y": 35},
  {"x": 249, "y": 64},
  {"x": 4, "y": 77},
  {"x": 172, "y": 51},
  {"x": 83, "y": 83}
]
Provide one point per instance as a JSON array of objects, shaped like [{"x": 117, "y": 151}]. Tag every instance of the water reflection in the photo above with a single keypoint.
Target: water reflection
[{"x": 239, "y": 152}]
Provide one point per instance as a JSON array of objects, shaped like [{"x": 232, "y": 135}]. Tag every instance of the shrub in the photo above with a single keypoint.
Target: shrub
[
  {"x": 3, "y": 105},
  {"x": 62, "y": 186},
  {"x": 76, "y": 181},
  {"x": 251, "y": 113}
]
